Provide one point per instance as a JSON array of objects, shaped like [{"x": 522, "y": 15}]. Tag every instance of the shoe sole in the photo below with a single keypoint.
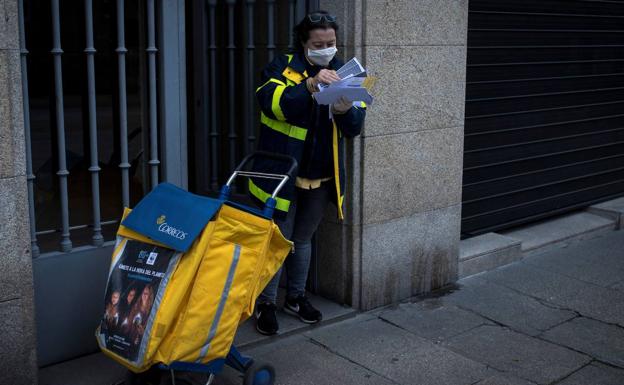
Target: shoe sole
[
  {"x": 265, "y": 333},
  {"x": 295, "y": 314}
]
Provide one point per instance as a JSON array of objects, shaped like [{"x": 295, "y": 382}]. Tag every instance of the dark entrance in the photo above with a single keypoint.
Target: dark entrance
[
  {"x": 229, "y": 42},
  {"x": 544, "y": 130}
]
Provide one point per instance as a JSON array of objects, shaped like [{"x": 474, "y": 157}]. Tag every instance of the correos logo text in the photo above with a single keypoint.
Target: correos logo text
[{"x": 164, "y": 227}]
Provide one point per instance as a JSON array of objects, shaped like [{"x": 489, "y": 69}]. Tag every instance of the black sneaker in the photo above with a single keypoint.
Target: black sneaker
[
  {"x": 266, "y": 320},
  {"x": 301, "y": 307}
]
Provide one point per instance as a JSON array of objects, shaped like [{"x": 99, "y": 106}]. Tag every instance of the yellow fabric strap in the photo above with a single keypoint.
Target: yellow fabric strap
[
  {"x": 284, "y": 128},
  {"x": 272, "y": 80},
  {"x": 337, "y": 171},
  {"x": 282, "y": 204},
  {"x": 275, "y": 104}
]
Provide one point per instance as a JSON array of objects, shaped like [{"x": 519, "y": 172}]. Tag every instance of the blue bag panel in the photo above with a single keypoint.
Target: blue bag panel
[{"x": 172, "y": 216}]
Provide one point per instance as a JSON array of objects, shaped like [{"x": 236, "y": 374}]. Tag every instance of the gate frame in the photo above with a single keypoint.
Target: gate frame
[{"x": 172, "y": 92}]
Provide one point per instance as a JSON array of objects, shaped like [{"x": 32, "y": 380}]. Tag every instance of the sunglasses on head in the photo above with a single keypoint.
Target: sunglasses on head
[{"x": 318, "y": 17}]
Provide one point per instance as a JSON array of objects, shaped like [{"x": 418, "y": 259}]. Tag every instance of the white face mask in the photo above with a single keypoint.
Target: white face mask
[{"x": 322, "y": 57}]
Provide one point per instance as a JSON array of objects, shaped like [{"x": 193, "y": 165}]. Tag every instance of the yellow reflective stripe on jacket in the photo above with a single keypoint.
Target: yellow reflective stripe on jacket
[
  {"x": 283, "y": 127},
  {"x": 337, "y": 170},
  {"x": 275, "y": 104},
  {"x": 282, "y": 204},
  {"x": 272, "y": 80}
]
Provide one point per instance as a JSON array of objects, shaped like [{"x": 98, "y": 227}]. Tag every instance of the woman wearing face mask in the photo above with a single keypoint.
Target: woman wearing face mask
[{"x": 292, "y": 123}]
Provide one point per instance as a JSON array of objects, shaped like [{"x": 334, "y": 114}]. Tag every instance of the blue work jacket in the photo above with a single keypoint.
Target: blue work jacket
[{"x": 292, "y": 123}]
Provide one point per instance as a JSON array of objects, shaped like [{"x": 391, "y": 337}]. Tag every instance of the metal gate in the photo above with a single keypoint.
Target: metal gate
[
  {"x": 544, "y": 130},
  {"x": 230, "y": 42},
  {"x": 101, "y": 94}
]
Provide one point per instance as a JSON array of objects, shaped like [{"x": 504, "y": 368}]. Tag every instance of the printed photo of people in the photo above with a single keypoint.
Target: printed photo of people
[{"x": 129, "y": 301}]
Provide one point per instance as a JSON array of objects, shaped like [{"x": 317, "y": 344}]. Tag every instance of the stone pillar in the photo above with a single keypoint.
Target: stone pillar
[
  {"x": 401, "y": 235},
  {"x": 17, "y": 341}
]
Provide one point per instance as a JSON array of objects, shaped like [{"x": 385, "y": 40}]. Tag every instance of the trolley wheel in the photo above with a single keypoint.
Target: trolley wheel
[
  {"x": 259, "y": 374},
  {"x": 181, "y": 378}
]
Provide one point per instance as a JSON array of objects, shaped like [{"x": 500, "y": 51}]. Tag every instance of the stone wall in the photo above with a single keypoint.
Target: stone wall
[
  {"x": 401, "y": 234},
  {"x": 17, "y": 341}
]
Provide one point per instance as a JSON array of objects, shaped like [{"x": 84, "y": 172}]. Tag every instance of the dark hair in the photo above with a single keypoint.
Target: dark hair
[{"x": 302, "y": 30}]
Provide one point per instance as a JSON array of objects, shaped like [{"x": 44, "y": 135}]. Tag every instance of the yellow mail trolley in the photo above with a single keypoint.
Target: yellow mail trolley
[{"x": 185, "y": 272}]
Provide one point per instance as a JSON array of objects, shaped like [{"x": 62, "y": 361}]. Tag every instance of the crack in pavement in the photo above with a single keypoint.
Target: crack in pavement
[
  {"x": 557, "y": 381},
  {"x": 545, "y": 302},
  {"x": 322, "y": 345}
]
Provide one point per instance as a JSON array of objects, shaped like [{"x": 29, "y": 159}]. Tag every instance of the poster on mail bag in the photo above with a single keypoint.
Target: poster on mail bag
[{"x": 138, "y": 275}]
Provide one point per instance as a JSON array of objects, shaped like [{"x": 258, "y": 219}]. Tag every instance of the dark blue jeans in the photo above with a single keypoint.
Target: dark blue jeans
[{"x": 304, "y": 217}]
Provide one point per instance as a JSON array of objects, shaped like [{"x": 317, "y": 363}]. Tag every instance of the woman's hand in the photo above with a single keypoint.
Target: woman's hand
[
  {"x": 341, "y": 106},
  {"x": 324, "y": 76}
]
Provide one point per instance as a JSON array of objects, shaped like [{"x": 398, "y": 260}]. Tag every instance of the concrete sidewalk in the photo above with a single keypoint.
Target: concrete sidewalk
[{"x": 552, "y": 318}]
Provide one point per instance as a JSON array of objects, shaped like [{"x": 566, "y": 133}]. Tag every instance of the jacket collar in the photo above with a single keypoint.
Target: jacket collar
[{"x": 299, "y": 63}]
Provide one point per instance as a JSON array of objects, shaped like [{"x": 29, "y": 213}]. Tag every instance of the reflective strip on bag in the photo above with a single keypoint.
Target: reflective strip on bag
[{"x": 224, "y": 297}]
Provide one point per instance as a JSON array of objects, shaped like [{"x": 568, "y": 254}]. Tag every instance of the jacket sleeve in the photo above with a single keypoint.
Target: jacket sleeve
[
  {"x": 350, "y": 123},
  {"x": 277, "y": 100}
]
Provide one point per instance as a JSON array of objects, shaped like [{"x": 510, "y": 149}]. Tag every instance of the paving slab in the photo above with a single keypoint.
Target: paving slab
[
  {"x": 516, "y": 354},
  {"x": 618, "y": 286},
  {"x": 613, "y": 257},
  {"x": 432, "y": 319},
  {"x": 503, "y": 379},
  {"x": 548, "y": 234},
  {"x": 299, "y": 361},
  {"x": 486, "y": 252},
  {"x": 94, "y": 369},
  {"x": 608, "y": 249},
  {"x": 397, "y": 354},
  {"x": 596, "y": 374},
  {"x": 507, "y": 307},
  {"x": 594, "y": 273},
  {"x": 574, "y": 263},
  {"x": 604, "y": 304},
  {"x": 599, "y": 340},
  {"x": 534, "y": 282}
]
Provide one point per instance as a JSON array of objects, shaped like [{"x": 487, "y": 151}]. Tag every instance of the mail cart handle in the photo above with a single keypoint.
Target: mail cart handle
[
  {"x": 269, "y": 205},
  {"x": 270, "y": 155}
]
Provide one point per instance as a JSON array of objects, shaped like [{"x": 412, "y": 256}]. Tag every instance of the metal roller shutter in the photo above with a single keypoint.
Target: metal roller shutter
[{"x": 544, "y": 130}]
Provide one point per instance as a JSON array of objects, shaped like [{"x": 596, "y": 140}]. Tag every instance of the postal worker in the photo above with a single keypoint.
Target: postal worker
[{"x": 292, "y": 123}]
